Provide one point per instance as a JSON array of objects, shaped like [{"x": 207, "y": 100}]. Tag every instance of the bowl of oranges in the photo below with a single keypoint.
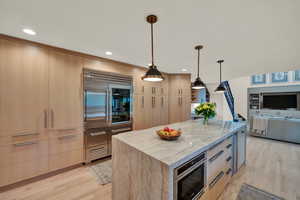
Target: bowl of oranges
[{"x": 169, "y": 133}]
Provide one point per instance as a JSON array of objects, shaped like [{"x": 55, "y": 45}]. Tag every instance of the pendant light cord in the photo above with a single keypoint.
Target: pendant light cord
[
  {"x": 152, "y": 51},
  {"x": 198, "y": 62},
  {"x": 220, "y": 72}
]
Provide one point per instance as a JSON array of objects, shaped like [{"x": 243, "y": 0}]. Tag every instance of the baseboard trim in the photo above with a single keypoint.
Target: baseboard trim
[{"x": 38, "y": 178}]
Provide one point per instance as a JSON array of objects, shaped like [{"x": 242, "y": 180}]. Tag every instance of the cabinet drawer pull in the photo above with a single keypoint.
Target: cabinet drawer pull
[
  {"x": 24, "y": 134},
  {"x": 229, "y": 159},
  {"x": 52, "y": 119},
  {"x": 25, "y": 144},
  {"x": 216, "y": 156},
  {"x": 67, "y": 129},
  {"x": 216, "y": 179},
  {"x": 98, "y": 133},
  {"x": 228, "y": 146},
  {"x": 66, "y": 137},
  {"x": 143, "y": 101},
  {"x": 228, "y": 171},
  {"x": 45, "y": 119},
  {"x": 162, "y": 101}
]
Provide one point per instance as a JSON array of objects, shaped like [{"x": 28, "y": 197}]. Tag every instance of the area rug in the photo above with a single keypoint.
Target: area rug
[
  {"x": 102, "y": 171},
  {"x": 248, "y": 192}
]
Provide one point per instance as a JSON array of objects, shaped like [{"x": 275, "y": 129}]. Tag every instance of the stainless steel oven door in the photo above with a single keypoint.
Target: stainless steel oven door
[
  {"x": 96, "y": 106},
  {"x": 190, "y": 179}
]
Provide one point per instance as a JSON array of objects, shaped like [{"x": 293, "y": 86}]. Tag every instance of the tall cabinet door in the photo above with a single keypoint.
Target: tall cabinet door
[
  {"x": 65, "y": 91},
  {"x": 65, "y": 106},
  {"x": 23, "y": 89}
]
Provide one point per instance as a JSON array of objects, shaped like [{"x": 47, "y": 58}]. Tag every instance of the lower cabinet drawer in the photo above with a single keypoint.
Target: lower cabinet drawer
[
  {"x": 65, "y": 159},
  {"x": 217, "y": 186},
  {"x": 215, "y": 164},
  {"x": 21, "y": 171},
  {"x": 65, "y": 143},
  {"x": 23, "y": 151}
]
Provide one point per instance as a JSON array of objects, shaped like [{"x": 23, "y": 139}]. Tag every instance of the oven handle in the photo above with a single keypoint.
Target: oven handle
[
  {"x": 189, "y": 170},
  {"x": 98, "y": 133}
]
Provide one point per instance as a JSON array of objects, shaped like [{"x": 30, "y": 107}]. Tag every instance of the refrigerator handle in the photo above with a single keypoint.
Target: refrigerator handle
[{"x": 107, "y": 107}]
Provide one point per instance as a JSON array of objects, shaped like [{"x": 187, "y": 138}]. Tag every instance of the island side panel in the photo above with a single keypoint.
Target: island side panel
[{"x": 138, "y": 176}]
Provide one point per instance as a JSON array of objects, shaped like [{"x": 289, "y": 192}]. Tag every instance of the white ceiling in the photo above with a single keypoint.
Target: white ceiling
[{"x": 252, "y": 36}]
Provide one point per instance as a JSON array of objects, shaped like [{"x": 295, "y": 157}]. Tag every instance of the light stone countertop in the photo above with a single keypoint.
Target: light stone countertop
[{"x": 195, "y": 139}]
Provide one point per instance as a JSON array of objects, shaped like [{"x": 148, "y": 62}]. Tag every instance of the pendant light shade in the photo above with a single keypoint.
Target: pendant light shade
[
  {"x": 220, "y": 88},
  {"x": 152, "y": 74},
  {"x": 198, "y": 83}
]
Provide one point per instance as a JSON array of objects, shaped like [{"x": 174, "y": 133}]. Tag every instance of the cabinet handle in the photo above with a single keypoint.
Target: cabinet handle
[
  {"x": 228, "y": 146},
  {"x": 98, "y": 133},
  {"x": 52, "y": 118},
  {"x": 229, "y": 159},
  {"x": 66, "y": 137},
  {"x": 143, "y": 101},
  {"x": 216, "y": 180},
  {"x": 178, "y": 91},
  {"x": 143, "y": 89},
  {"x": 216, "y": 156},
  {"x": 25, "y": 144},
  {"x": 45, "y": 119},
  {"x": 24, "y": 134},
  {"x": 162, "y": 101},
  {"x": 67, "y": 129},
  {"x": 153, "y": 102}
]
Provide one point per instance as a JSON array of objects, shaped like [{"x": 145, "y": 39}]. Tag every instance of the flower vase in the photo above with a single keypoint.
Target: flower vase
[{"x": 205, "y": 121}]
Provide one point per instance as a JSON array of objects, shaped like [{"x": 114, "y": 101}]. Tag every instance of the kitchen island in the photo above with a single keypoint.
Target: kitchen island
[{"x": 196, "y": 166}]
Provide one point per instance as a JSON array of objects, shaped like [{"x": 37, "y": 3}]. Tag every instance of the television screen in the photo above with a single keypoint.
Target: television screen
[{"x": 280, "y": 102}]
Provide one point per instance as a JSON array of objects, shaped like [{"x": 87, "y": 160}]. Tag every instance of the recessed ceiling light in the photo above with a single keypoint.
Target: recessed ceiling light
[
  {"x": 108, "y": 53},
  {"x": 149, "y": 64},
  {"x": 29, "y": 31},
  {"x": 184, "y": 70}
]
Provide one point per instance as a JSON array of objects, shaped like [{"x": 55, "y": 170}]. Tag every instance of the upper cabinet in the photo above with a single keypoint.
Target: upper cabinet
[
  {"x": 23, "y": 88},
  {"x": 179, "y": 97},
  {"x": 65, "y": 91}
]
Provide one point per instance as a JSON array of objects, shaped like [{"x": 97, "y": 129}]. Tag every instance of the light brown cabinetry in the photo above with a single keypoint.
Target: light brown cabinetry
[
  {"x": 23, "y": 89},
  {"x": 65, "y": 90},
  {"x": 179, "y": 98},
  {"x": 150, "y": 104},
  {"x": 40, "y": 111}
]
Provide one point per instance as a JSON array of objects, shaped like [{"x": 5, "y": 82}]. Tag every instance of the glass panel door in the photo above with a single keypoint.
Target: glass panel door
[
  {"x": 121, "y": 105},
  {"x": 95, "y": 105}
]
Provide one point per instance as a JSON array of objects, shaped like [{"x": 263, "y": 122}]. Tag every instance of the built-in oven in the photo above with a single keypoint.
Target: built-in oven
[{"x": 190, "y": 179}]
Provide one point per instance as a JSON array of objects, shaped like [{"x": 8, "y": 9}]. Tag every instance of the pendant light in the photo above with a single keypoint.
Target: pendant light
[
  {"x": 198, "y": 83},
  {"x": 152, "y": 74},
  {"x": 220, "y": 88}
]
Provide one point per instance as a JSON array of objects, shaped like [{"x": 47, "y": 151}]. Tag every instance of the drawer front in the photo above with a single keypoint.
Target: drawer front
[
  {"x": 22, "y": 171},
  {"x": 97, "y": 152},
  {"x": 66, "y": 159},
  {"x": 96, "y": 138},
  {"x": 217, "y": 186},
  {"x": 213, "y": 151},
  {"x": 65, "y": 143},
  {"x": 215, "y": 164},
  {"x": 23, "y": 151},
  {"x": 21, "y": 137},
  {"x": 62, "y": 132}
]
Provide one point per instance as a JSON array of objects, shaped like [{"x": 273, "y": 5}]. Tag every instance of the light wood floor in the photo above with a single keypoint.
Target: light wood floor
[{"x": 272, "y": 166}]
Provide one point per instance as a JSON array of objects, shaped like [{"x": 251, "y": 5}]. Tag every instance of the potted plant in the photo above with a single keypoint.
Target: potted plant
[{"x": 207, "y": 110}]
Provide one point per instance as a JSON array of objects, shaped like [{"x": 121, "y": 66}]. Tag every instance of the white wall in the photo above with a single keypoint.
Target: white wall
[{"x": 239, "y": 88}]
